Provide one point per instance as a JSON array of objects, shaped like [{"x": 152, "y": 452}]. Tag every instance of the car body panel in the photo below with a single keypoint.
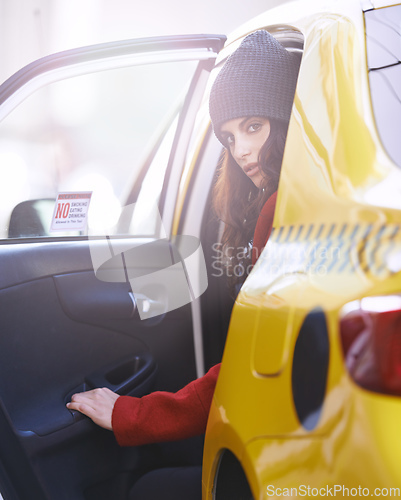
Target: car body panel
[{"x": 332, "y": 242}]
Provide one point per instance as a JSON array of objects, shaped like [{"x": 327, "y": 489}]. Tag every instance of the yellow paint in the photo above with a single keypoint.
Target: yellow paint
[{"x": 333, "y": 158}]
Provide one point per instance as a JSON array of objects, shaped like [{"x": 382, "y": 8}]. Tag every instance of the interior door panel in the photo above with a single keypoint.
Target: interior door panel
[{"x": 67, "y": 332}]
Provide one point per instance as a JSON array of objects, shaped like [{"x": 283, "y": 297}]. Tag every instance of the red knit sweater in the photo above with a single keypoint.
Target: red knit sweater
[{"x": 164, "y": 416}]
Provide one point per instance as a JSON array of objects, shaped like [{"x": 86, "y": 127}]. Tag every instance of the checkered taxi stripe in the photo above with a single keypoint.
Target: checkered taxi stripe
[{"x": 334, "y": 248}]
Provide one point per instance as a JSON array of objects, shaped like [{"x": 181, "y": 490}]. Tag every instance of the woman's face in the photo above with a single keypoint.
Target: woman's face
[{"x": 245, "y": 138}]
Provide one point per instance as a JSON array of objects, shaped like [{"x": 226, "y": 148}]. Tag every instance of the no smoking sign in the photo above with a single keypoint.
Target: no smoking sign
[{"x": 71, "y": 211}]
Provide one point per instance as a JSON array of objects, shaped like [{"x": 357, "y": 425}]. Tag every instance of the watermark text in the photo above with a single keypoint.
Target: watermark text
[{"x": 331, "y": 491}]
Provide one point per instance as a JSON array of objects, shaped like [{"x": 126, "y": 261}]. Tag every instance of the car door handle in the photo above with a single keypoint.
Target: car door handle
[{"x": 131, "y": 376}]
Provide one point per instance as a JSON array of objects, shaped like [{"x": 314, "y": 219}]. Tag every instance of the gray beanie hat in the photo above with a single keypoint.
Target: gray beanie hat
[{"x": 258, "y": 79}]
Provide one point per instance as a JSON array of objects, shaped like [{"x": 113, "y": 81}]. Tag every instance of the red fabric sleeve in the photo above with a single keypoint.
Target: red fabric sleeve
[
  {"x": 263, "y": 227},
  {"x": 164, "y": 416}
]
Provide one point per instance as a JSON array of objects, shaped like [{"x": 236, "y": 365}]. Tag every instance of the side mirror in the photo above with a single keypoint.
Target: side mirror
[{"x": 31, "y": 218}]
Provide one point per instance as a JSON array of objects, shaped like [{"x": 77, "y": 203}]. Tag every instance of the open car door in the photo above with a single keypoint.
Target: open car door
[{"x": 104, "y": 128}]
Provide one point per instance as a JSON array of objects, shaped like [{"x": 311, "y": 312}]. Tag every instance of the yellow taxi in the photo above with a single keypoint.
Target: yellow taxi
[
  {"x": 308, "y": 398},
  {"x": 107, "y": 162}
]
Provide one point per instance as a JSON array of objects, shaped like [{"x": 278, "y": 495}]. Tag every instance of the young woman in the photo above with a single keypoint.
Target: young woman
[{"x": 250, "y": 107}]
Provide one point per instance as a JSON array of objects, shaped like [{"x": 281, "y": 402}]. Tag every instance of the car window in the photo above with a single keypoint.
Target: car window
[
  {"x": 91, "y": 133},
  {"x": 383, "y": 40},
  {"x": 144, "y": 220}
]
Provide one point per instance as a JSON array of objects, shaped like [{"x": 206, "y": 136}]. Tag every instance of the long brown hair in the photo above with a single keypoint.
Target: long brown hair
[{"x": 238, "y": 202}]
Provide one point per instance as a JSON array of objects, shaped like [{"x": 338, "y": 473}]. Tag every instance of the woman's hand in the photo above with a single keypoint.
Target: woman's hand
[{"x": 97, "y": 404}]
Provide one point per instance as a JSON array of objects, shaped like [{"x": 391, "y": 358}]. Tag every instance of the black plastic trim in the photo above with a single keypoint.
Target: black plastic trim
[{"x": 310, "y": 368}]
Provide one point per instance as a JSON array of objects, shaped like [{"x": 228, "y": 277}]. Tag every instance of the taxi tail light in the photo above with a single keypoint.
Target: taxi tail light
[{"x": 371, "y": 341}]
